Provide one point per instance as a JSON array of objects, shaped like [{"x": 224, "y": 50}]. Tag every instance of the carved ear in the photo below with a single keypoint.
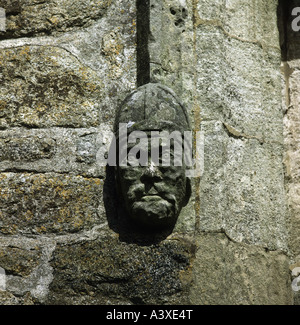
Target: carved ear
[{"x": 188, "y": 191}]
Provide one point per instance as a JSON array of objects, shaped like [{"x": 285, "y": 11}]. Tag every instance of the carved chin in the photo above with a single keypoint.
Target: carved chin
[{"x": 154, "y": 212}]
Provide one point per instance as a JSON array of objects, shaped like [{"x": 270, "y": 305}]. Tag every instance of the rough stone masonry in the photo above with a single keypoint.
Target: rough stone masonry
[{"x": 65, "y": 67}]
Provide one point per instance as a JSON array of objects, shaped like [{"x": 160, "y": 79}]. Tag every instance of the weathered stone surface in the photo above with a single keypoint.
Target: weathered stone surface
[
  {"x": 293, "y": 190},
  {"x": 107, "y": 47},
  {"x": 27, "y": 269},
  {"x": 295, "y": 277},
  {"x": 240, "y": 191},
  {"x": 165, "y": 46},
  {"x": 236, "y": 102},
  {"x": 62, "y": 150},
  {"x": 254, "y": 21},
  {"x": 229, "y": 273},
  {"x": 8, "y": 299},
  {"x": 169, "y": 41},
  {"x": 26, "y": 149},
  {"x": 222, "y": 58},
  {"x": 291, "y": 103},
  {"x": 292, "y": 158},
  {"x": 18, "y": 261},
  {"x": 108, "y": 270},
  {"x": 27, "y": 18},
  {"x": 250, "y": 103},
  {"x": 46, "y": 86},
  {"x": 86, "y": 148},
  {"x": 239, "y": 104},
  {"x": 48, "y": 203}
]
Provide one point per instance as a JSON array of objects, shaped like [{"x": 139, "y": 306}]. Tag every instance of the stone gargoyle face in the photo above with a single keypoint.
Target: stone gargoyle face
[{"x": 154, "y": 194}]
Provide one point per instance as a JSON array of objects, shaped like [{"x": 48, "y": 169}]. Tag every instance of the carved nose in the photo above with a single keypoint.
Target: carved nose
[{"x": 151, "y": 174}]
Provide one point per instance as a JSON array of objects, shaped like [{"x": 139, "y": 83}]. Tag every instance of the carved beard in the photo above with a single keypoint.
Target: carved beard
[
  {"x": 154, "y": 211},
  {"x": 153, "y": 202},
  {"x": 157, "y": 210}
]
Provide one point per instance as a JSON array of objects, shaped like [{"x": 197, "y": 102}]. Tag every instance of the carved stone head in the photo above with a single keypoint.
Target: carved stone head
[{"x": 153, "y": 193}]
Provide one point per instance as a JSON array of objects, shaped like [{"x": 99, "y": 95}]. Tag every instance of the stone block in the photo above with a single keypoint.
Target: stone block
[
  {"x": 27, "y": 18},
  {"x": 253, "y": 21},
  {"x": 46, "y": 86},
  {"x": 229, "y": 273},
  {"x": 60, "y": 150},
  {"x": 240, "y": 189},
  {"x": 250, "y": 102},
  {"x": 18, "y": 261},
  {"x": 26, "y": 148},
  {"x": 49, "y": 203}
]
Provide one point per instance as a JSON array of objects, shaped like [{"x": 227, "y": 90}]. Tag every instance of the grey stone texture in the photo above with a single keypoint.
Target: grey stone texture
[
  {"x": 46, "y": 17},
  {"x": 65, "y": 68},
  {"x": 47, "y": 203},
  {"x": 230, "y": 273},
  {"x": 106, "y": 270},
  {"x": 291, "y": 104},
  {"x": 41, "y": 97}
]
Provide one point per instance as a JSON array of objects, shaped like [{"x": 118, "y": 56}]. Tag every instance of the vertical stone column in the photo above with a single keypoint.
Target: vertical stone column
[
  {"x": 242, "y": 255},
  {"x": 164, "y": 42}
]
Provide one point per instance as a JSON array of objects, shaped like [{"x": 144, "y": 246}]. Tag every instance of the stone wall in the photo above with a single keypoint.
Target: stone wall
[
  {"x": 290, "y": 41},
  {"x": 65, "y": 66}
]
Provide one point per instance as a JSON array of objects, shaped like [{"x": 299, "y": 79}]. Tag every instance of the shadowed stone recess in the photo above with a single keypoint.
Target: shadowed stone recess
[{"x": 107, "y": 270}]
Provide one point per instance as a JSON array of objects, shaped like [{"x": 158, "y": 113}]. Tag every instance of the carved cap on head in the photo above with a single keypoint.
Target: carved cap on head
[{"x": 153, "y": 107}]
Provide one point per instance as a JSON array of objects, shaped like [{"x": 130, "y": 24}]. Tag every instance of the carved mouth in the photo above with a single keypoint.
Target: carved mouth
[{"x": 147, "y": 198}]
